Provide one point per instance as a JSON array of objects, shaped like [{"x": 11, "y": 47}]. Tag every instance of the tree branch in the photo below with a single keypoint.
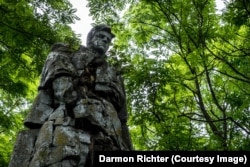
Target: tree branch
[{"x": 228, "y": 63}]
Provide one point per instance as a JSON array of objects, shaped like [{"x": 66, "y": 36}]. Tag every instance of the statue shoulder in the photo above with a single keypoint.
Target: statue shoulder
[
  {"x": 58, "y": 63},
  {"x": 61, "y": 47},
  {"x": 59, "y": 51}
]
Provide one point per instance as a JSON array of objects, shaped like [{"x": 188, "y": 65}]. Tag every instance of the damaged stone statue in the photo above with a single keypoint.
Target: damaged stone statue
[{"x": 80, "y": 108}]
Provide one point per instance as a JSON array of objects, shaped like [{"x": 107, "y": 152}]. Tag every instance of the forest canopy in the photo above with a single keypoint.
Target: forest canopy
[
  {"x": 187, "y": 72},
  {"x": 186, "y": 67}
]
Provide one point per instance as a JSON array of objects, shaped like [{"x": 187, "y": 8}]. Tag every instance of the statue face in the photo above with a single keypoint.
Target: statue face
[{"x": 101, "y": 41}]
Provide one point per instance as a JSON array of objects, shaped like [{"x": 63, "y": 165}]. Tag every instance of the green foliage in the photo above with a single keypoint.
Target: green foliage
[
  {"x": 238, "y": 12},
  {"x": 12, "y": 110},
  {"x": 186, "y": 70},
  {"x": 28, "y": 29}
]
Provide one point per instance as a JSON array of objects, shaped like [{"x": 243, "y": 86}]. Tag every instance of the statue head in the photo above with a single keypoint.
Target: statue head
[{"x": 99, "y": 38}]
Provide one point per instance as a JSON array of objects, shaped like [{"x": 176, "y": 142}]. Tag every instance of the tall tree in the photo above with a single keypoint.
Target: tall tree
[{"x": 187, "y": 72}]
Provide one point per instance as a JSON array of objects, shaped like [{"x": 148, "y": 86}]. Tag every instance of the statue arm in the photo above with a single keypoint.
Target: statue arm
[
  {"x": 58, "y": 73},
  {"x": 64, "y": 90}
]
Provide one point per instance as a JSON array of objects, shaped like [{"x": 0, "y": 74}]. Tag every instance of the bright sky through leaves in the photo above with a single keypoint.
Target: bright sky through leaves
[{"x": 83, "y": 25}]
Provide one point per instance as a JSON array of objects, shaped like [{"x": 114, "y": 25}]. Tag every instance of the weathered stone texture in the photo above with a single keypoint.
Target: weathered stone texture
[
  {"x": 45, "y": 135},
  {"x": 24, "y": 148},
  {"x": 58, "y": 113},
  {"x": 80, "y": 108},
  {"x": 41, "y": 110}
]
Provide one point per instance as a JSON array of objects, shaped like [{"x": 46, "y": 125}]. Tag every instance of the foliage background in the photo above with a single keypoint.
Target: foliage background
[
  {"x": 27, "y": 30},
  {"x": 185, "y": 65}
]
